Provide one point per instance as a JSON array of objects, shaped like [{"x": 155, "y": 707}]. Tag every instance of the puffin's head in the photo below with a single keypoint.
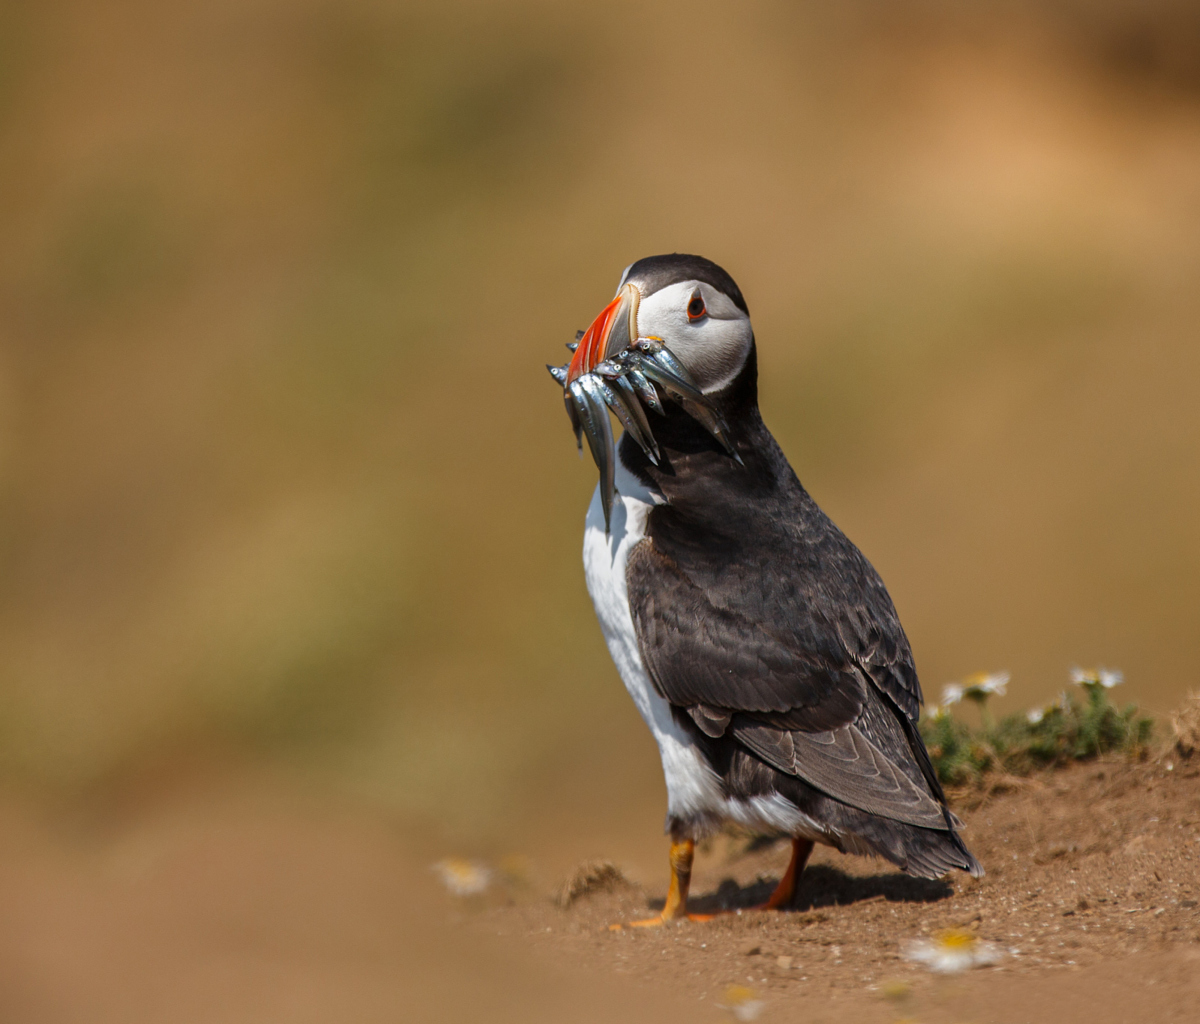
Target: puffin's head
[
  {"x": 678, "y": 329},
  {"x": 689, "y": 304}
]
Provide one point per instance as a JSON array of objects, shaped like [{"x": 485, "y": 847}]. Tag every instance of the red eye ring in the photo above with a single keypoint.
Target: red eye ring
[{"x": 696, "y": 309}]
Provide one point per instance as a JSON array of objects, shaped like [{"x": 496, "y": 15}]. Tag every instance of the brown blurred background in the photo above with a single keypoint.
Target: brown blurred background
[{"x": 283, "y": 480}]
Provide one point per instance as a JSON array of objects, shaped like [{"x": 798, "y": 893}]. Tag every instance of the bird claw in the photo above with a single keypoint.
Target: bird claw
[{"x": 624, "y": 382}]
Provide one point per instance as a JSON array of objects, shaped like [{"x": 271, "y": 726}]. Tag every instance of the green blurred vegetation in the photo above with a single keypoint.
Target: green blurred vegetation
[
  {"x": 280, "y": 469},
  {"x": 1070, "y": 729}
]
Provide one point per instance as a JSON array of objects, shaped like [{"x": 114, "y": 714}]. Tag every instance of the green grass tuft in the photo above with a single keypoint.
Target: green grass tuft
[{"x": 1072, "y": 729}]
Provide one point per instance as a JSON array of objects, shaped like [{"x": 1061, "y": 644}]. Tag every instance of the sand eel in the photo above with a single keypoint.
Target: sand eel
[{"x": 758, "y": 643}]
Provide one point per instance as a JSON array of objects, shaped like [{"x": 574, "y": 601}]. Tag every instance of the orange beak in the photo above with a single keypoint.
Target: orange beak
[{"x": 613, "y": 331}]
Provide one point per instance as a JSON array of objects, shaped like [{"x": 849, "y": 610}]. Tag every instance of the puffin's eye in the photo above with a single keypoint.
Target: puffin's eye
[{"x": 695, "y": 309}]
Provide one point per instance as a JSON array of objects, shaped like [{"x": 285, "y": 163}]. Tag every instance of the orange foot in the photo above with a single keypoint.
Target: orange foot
[
  {"x": 658, "y": 920},
  {"x": 785, "y": 891},
  {"x": 675, "y": 908}
]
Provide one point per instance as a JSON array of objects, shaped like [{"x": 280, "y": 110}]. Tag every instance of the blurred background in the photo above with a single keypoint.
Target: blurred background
[{"x": 283, "y": 480}]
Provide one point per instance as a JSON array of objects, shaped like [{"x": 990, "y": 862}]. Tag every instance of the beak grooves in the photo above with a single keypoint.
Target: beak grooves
[{"x": 612, "y": 331}]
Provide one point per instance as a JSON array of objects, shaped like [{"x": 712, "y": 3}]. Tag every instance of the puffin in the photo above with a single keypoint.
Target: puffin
[{"x": 759, "y": 645}]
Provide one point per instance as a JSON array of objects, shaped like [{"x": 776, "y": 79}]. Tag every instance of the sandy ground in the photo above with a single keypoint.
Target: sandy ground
[
  {"x": 240, "y": 904},
  {"x": 245, "y": 903},
  {"x": 1090, "y": 898}
]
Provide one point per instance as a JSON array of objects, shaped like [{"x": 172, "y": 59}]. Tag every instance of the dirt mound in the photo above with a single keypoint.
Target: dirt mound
[
  {"x": 590, "y": 877},
  {"x": 1185, "y": 724},
  {"x": 1093, "y": 874}
]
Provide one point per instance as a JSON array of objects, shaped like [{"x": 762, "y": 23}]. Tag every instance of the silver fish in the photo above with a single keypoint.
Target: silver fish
[
  {"x": 624, "y": 381},
  {"x": 593, "y": 415},
  {"x": 670, "y": 382},
  {"x": 665, "y": 358},
  {"x": 623, "y": 401},
  {"x": 711, "y": 421},
  {"x": 645, "y": 390}
]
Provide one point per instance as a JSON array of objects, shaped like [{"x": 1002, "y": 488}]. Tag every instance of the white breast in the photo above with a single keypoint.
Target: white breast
[
  {"x": 693, "y": 788},
  {"x": 694, "y": 792}
]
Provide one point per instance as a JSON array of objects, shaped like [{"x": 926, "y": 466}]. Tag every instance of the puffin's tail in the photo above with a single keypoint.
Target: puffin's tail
[{"x": 921, "y": 852}]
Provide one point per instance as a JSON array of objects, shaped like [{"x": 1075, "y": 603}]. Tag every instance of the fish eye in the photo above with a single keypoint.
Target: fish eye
[{"x": 695, "y": 308}]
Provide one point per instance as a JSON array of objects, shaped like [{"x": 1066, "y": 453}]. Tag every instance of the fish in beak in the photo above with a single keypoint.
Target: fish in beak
[{"x": 613, "y": 368}]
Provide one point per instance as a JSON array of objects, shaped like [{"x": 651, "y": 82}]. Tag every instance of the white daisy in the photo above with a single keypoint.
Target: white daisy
[
  {"x": 463, "y": 877},
  {"x": 951, "y": 951},
  {"x": 1105, "y": 678},
  {"x": 951, "y": 694},
  {"x": 742, "y": 1002},
  {"x": 982, "y": 685},
  {"x": 1035, "y": 715}
]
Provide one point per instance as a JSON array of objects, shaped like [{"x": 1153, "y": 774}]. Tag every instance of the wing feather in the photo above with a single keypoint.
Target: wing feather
[
  {"x": 846, "y": 765},
  {"x": 816, "y": 683}
]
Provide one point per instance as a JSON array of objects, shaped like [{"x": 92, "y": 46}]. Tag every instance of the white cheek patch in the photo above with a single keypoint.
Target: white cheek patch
[{"x": 714, "y": 348}]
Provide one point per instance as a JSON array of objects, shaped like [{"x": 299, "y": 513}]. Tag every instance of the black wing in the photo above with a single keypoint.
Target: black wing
[{"x": 778, "y": 631}]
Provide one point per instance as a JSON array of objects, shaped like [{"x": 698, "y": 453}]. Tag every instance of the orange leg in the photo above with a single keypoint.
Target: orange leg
[
  {"x": 785, "y": 891},
  {"x": 675, "y": 909},
  {"x": 681, "y": 856}
]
